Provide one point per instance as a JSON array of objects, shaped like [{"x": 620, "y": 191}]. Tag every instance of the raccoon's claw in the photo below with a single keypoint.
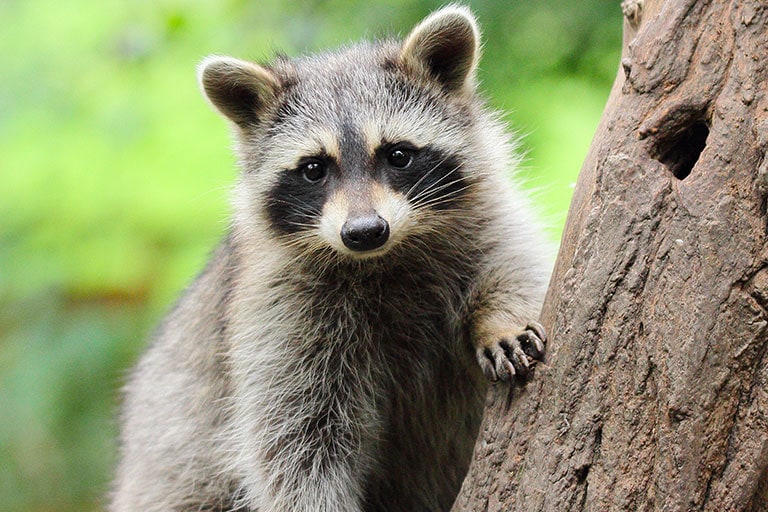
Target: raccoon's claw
[
  {"x": 533, "y": 339},
  {"x": 508, "y": 359}
]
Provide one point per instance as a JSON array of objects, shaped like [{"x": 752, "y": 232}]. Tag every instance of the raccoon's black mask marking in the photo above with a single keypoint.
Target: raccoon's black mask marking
[{"x": 432, "y": 179}]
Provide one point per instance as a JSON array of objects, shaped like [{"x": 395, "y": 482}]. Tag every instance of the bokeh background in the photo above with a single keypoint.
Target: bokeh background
[{"x": 114, "y": 177}]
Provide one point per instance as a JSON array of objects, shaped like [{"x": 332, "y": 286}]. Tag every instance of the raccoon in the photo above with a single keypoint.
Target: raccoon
[{"x": 380, "y": 268}]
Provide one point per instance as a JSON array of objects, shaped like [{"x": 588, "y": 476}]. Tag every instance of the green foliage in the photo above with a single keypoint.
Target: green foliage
[{"x": 114, "y": 176}]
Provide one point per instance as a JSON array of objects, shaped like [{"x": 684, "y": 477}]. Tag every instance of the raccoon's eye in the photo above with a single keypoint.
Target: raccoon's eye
[
  {"x": 313, "y": 171},
  {"x": 400, "y": 157}
]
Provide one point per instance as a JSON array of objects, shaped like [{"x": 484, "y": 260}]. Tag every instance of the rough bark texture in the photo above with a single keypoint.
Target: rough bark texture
[{"x": 654, "y": 395}]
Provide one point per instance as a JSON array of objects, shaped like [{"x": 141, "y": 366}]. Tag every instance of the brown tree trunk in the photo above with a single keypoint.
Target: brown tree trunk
[{"x": 654, "y": 395}]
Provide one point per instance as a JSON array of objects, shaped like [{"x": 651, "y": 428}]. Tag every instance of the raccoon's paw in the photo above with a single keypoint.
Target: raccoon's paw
[{"x": 511, "y": 357}]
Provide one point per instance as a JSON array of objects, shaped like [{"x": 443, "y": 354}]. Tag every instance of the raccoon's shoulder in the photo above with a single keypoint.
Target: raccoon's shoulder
[{"x": 201, "y": 310}]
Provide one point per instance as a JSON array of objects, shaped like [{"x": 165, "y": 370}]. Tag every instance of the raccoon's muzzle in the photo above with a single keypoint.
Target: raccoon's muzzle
[{"x": 365, "y": 232}]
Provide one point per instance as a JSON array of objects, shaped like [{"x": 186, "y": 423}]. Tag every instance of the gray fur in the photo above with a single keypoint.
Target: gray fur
[{"x": 294, "y": 375}]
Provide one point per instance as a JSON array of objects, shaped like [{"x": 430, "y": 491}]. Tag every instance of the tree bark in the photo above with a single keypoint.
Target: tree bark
[{"x": 654, "y": 394}]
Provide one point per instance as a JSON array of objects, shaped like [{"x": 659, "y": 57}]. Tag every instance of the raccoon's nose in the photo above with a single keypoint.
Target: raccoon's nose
[{"x": 365, "y": 233}]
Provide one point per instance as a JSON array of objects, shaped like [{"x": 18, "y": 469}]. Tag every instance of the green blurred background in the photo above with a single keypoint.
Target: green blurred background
[{"x": 114, "y": 176}]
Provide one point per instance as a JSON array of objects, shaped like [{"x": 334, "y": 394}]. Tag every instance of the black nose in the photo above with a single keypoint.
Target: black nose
[{"x": 365, "y": 233}]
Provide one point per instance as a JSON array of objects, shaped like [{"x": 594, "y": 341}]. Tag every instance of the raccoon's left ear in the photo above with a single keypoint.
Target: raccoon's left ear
[
  {"x": 241, "y": 90},
  {"x": 445, "y": 45}
]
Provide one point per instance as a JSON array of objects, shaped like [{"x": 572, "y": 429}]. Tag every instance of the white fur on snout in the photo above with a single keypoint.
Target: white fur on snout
[
  {"x": 391, "y": 206},
  {"x": 396, "y": 210},
  {"x": 335, "y": 212}
]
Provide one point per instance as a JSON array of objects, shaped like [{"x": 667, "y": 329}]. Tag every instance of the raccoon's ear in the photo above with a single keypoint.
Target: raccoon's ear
[
  {"x": 240, "y": 90},
  {"x": 446, "y": 45}
]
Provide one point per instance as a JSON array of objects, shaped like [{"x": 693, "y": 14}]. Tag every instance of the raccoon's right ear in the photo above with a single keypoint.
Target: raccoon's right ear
[
  {"x": 445, "y": 45},
  {"x": 240, "y": 90}
]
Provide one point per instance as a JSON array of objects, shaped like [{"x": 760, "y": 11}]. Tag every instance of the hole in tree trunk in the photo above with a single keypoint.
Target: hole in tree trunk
[{"x": 680, "y": 151}]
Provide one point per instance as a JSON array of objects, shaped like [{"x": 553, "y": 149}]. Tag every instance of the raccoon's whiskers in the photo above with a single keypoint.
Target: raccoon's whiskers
[
  {"x": 437, "y": 186},
  {"x": 443, "y": 199},
  {"x": 431, "y": 197},
  {"x": 423, "y": 177},
  {"x": 300, "y": 206},
  {"x": 301, "y": 239}
]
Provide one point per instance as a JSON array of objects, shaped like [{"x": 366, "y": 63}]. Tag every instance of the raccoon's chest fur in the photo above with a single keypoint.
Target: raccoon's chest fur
[
  {"x": 402, "y": 326},
  {"x": 375, "y": 366}
]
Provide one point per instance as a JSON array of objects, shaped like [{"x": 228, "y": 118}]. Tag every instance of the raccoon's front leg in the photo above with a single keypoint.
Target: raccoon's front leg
[{"x": 506, "y": 339}]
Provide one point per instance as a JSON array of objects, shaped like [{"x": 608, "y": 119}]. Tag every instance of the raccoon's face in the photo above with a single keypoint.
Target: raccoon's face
[{"x": 359, "y": 150}]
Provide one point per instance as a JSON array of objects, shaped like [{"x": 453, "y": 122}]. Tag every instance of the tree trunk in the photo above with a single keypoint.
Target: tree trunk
[{"x": 654, "y": 395}]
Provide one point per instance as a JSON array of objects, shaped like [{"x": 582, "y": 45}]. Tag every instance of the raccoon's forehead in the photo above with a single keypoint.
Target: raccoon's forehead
[{"x": 358, "y": 91}]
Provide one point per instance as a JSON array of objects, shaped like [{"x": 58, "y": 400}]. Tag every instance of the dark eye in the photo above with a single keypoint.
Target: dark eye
[
  {"x": 400, "y": 157},
  {"x": 313, "y": 171}
]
